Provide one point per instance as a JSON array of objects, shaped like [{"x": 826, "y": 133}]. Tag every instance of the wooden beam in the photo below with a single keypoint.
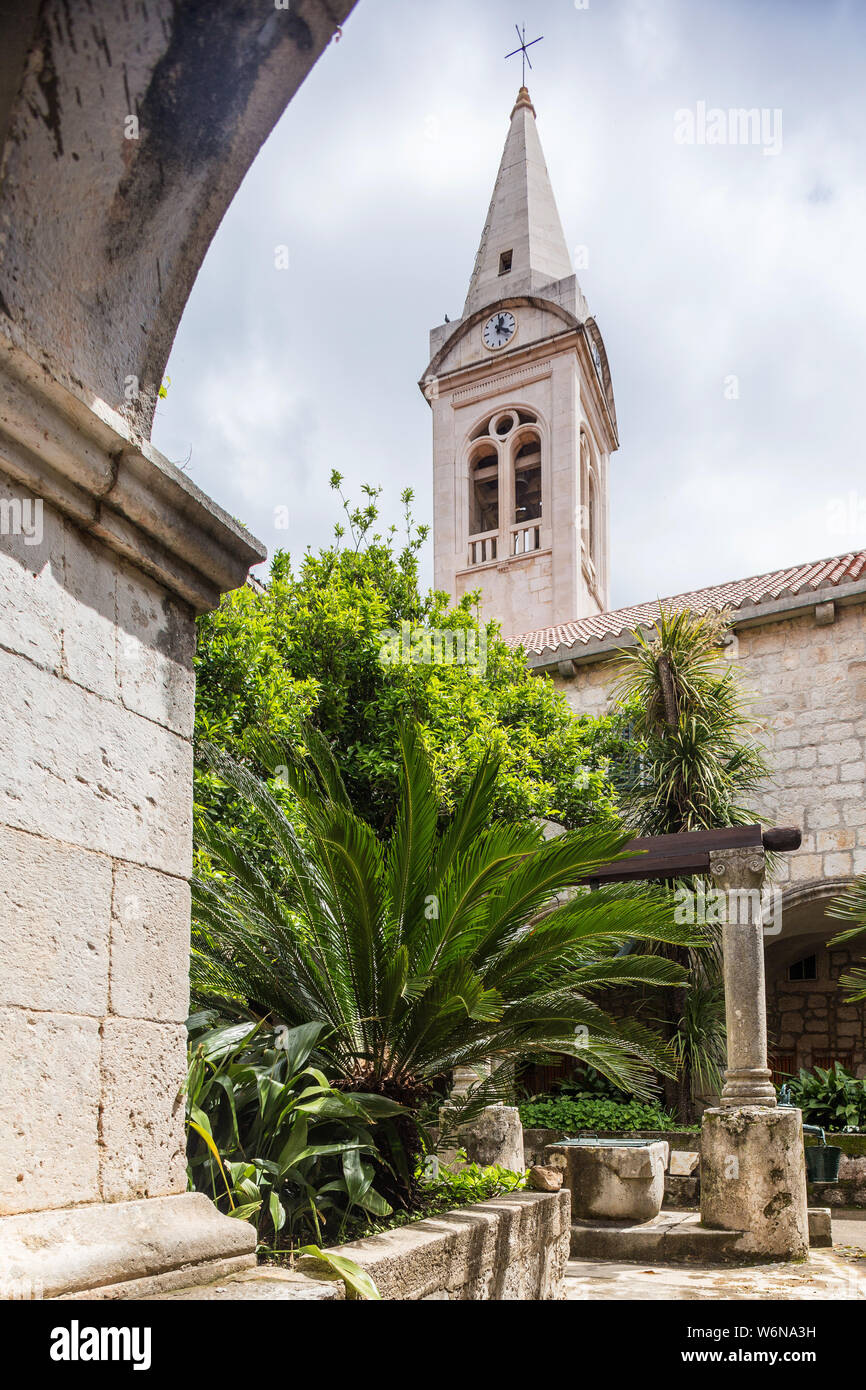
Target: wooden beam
[{"x": 674, "y": 856}]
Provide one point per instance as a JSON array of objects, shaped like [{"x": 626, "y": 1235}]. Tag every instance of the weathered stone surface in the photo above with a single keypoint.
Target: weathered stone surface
[
  {"x": 740, "y": 873},
  {"x": 494, "y": 1136},
  {"x": 674, "y": 1237},
  {"x": 31, "y": 566},
  {"x": 682, "y": 1194},
  {"x": 155, "y": 649},
  {"x": 104, "y": 1249},
  {"x": 142, "y": 1129},
  {"x": 149, "y": 945},
  {"x": 824, "y": 1276},
  {"x": 683, "y": 1163},
  {"x": 87, "y": 614},
  {"x": 536, "y": 1141},
  {"x": 81, "y": 769},
  {"x": 820, "y": 1227},
  {"x": 105, "y": 231},
  {"x": 753, "y": 1178},
  {"x": 614, "y": 1184},
  {"x": 49, "y": 1110},
  {"x": 543, "y": 1179},
  {"x": 53, "y": 926},
  {"x": 514, "y": 1247},
  {"x": 268, "y": 1284}
]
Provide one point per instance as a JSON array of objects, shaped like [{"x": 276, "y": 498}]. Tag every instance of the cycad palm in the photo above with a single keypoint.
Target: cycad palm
[{"x": 434, "y": 950}]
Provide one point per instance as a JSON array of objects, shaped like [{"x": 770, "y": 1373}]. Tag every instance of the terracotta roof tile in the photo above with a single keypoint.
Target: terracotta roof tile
[{"x": 761, "y": 588}]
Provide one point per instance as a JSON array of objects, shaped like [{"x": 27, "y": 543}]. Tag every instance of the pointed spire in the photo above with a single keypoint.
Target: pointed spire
[{"x": 523, "y": 228}]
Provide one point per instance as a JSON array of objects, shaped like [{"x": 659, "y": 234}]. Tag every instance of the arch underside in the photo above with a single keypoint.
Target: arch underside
[
  {"x": 810, "y": 1021},
  {"x": 126, "y": 132}
]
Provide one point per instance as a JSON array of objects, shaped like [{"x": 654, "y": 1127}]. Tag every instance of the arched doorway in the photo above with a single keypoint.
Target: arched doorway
[{"x": 808, "y": 1020}]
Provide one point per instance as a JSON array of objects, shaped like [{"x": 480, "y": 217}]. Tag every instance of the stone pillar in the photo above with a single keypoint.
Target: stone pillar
[
  {"x": 464, "y": 1078},
  {"x": 494, "y": 1136},
  {"x": 107, "y": 552},
  {"x": 753, "y": 1176},
  {"x": 739, "y": 874}
]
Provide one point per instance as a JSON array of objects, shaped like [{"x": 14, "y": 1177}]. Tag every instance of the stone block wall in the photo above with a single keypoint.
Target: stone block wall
[
  {"x": 810, "y": 1018},
  {"x": 514, "y": 1247},
  {"x": 810, "y": 687},
  {"x": 97, "y": 692}
]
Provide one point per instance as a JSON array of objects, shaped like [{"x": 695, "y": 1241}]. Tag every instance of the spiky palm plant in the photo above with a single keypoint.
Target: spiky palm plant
[
  {"x": 696, "y": 754},
  {"x": 850, "y": 906},
  {"x": 694, "y": 762},
  {"x": 432, "y": 950}
]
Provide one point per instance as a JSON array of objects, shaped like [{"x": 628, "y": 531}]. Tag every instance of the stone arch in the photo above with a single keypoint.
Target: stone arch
[{"x": 127, "y": 130}]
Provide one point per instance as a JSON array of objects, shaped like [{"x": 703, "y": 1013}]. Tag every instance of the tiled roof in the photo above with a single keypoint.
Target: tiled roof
[{"x": 739, "y": 593}]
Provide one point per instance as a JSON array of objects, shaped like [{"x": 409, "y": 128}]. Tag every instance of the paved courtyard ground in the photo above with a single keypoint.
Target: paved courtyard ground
[{"x": 839, "y": 1273}]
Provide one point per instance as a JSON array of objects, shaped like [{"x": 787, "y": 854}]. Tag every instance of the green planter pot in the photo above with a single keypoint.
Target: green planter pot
[{"x": 822, "y": 1163}]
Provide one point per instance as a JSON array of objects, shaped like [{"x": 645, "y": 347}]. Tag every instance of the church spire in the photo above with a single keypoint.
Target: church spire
[{"x": 523, "y": 246}]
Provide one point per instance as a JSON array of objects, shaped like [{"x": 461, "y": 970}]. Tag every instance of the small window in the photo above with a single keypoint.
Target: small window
[
  {"x": 505, "y": 262},
  {"x": 484, "y": 492},
  {"x": 806, "y": 969}
]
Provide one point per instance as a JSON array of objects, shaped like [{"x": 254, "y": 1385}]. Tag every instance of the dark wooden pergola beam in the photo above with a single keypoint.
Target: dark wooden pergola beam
[{"x": 674, "y": 856}]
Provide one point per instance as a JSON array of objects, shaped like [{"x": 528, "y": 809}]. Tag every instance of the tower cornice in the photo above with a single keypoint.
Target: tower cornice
[{"x": 576, "y": 335}]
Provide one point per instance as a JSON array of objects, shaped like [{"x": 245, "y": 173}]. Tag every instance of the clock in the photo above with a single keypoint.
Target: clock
[{"x": 499, "y": 330}]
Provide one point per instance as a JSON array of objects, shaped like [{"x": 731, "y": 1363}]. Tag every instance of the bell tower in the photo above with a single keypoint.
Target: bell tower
[{"x": 523, "y": 414}]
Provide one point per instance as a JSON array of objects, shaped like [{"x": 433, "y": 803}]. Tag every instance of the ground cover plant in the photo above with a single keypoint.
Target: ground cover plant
[{"x": 571, "y": 1114}]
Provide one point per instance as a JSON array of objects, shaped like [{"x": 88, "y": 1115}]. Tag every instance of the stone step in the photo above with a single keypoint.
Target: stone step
[
  {"x": 265, "y": 1284},
  {"x": 674, "y": 1237}
]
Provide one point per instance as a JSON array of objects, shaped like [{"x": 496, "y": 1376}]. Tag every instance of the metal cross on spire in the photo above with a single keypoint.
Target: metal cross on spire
[{"x": 522, "y": 50}]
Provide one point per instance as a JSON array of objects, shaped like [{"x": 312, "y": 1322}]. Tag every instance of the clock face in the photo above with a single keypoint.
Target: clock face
[{"x": 499, "y": 329}]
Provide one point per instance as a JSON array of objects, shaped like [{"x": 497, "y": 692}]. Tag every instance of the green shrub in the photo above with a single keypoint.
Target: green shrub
[
  {"x": 270, "y": 1140},
  {"x": 440, "y": 1189},
  {"x": 570, "y": 1114},
  {"x": 471, "y": 1183},
  {"x": 832, "y": 1099}
]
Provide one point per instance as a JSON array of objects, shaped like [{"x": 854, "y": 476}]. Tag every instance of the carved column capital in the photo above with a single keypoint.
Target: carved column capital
[{"x": 738, "y": 868}]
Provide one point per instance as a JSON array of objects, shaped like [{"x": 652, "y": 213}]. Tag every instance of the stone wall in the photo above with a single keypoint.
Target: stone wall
[
  {"x": 95, "y": 850},
  {"x": 514, "y": 1247},
  {"x": 810, "y": 1020}
]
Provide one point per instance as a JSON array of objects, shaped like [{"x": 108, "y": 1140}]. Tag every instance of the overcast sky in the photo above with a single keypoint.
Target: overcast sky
[{"x": 705, "y": 263}]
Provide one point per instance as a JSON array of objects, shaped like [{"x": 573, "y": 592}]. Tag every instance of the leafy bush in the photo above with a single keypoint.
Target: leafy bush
[
  {"x": 440, "y": 1189},
  {"x": 471, "y": 1183},
  {"x": 570, "y": 1114},
  {"x": 270, "y": 1140},
  {"x": 309, "y": 647},
  {"x": 832, "y": 1099}
]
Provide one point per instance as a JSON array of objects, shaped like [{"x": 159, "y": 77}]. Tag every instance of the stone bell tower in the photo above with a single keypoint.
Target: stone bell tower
[{"x": 523, "y": 414}]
